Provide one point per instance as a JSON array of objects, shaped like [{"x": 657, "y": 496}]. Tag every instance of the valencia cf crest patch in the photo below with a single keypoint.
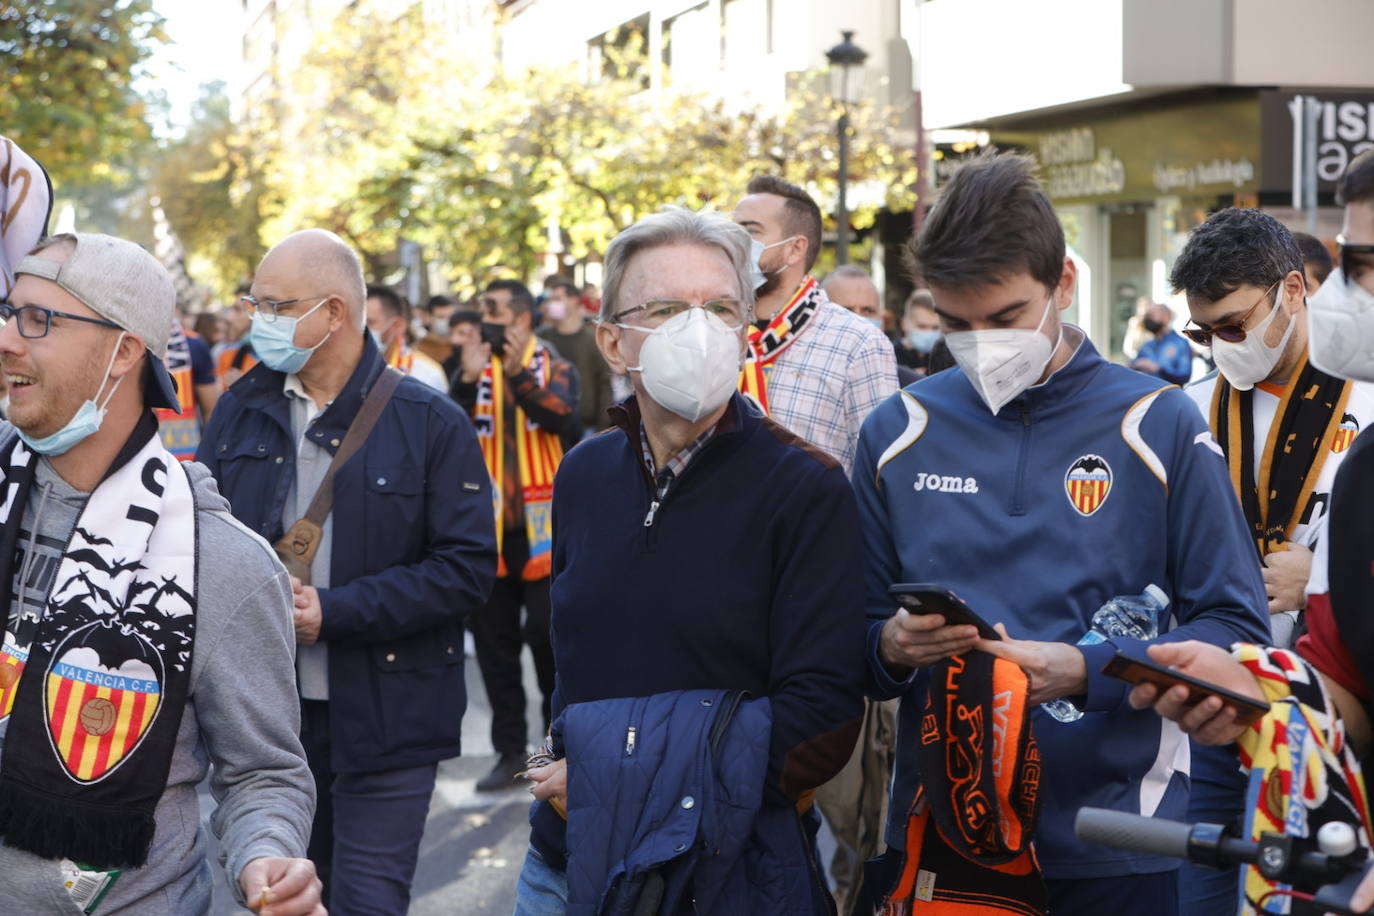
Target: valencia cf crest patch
[
  {"x": 1087, "y": 484},
  {"x": 1345, "y": 434}
]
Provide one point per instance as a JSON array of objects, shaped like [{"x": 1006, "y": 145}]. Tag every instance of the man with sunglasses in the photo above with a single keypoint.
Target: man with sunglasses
[
  {"x": 1339, "y": 643},
  {"x": 1284, "y": 427},
  {"x": 405, "y": 552},
  {"x": 1283, "y": 424},
  {"x": 147, "y": 638}
]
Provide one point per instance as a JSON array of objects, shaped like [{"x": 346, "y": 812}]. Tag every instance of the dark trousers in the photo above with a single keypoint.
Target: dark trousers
[
  {"x": 1122, "y": 895},
  {"x": 365, "y": 840},
  {"x": 497, "y": 631}
]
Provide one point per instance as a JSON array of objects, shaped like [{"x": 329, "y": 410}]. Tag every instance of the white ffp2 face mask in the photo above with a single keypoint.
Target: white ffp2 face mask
[
  {"x": 1001, "y": 363},
  {"x": 1340, "y": 329},
  {"x": 690, "y": 364},
  {"x": 1249, "y": 362}
]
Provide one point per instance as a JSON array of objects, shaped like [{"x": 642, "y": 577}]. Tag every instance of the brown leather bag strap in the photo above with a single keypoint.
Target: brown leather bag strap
[{"x": 358, "y": 431}]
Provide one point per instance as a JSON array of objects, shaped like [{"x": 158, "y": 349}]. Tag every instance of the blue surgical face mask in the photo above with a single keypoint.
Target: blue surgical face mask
[
  {"x": 86, "y": 421},
  {"x": 757, "y": 275},
  {"x": 876, "y": 322},
  {"x": 376, "y": 338},
  {"x": 274, "y": 342},
  {"x": 923, "y": 341}
]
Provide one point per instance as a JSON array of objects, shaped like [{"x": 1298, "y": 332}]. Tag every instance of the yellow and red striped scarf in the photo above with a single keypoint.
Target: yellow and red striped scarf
[
  {"x": 766, "y": 345},
  {"x": 538, "y": 455}
]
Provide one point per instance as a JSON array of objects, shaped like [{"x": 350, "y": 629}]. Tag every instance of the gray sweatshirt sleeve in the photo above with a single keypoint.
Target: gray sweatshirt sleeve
[{"x": 249, "y": 717}]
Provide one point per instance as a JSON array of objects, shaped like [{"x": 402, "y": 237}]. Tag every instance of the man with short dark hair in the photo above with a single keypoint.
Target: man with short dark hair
[
  {"x": 1316, "y": 260},
  {"x": 148, "y": 639},
  {"x": 569, "y": 333},
  {"x": 1284, "y": 427},
  {"x": 388, "y": 321},
  {"x": 1339, "y": 643},
  {"x": 522, "y": 398},
  {"x": 812, "y": 366},
  {"x": 1000, "y": 480}
]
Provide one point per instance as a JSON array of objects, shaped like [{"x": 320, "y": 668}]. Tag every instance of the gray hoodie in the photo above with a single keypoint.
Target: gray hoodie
[{"x": 241, "y": 723}]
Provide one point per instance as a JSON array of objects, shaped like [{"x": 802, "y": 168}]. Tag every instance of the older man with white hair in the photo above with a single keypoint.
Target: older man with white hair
[
  {"x": 323, "y": 437},
  {"x": 683, "y": 564}
]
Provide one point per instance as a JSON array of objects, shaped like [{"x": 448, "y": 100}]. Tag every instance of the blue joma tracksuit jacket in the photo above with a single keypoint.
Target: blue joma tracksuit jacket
[{"x": 1095, "y": 483}]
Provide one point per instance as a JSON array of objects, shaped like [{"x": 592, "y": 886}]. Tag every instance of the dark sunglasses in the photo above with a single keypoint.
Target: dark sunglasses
[
  {"x": 1355, "y": 259},
  {"x": 1234, "y": 332}
]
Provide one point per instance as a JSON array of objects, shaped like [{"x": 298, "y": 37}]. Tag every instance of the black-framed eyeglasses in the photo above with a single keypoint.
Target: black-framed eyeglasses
[
  {"x": 35, "y": 322},
  {"x": 659, "y": 311},
  {"x": 1231, "y": 332},
  {"x": 269, "y": 307},
  {"x": 1355, "y": 258}
]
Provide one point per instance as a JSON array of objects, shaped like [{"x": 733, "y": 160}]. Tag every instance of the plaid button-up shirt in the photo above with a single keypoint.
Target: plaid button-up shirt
[
  {"x": 670, "y": 472},
  {"x": 828, "y": 380}
]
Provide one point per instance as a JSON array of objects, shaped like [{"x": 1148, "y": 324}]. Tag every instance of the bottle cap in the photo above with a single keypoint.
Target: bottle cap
[{"x": 1157, "y": 593}]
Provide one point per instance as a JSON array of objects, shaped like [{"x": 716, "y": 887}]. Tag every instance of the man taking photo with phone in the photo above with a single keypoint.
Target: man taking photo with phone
[{"x": 522, "y": 398}]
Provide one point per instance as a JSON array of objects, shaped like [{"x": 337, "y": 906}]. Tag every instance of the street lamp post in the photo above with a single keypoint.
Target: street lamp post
[{"x": 845, "y": 59}]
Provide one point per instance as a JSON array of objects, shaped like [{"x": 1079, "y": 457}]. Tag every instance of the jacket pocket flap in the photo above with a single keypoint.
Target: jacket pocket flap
[{"x": 400, "y": 479}]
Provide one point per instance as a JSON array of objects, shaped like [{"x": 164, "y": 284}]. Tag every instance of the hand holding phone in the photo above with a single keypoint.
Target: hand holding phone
[
  {"x": 924, "y": 598},
  {"x": 1136, "y": 670}
]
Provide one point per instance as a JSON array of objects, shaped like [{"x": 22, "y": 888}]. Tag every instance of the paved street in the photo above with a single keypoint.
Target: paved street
[{"x": 474, "y": 841}]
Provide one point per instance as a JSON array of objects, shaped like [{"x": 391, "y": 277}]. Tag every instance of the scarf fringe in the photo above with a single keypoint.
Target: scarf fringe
[{"x": 51, "y": 828}]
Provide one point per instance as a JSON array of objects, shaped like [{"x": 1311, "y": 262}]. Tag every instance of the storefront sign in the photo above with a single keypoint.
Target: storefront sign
[
  {"x": 1345, "y": 128},
  {"x": 1196, "y": 149}
]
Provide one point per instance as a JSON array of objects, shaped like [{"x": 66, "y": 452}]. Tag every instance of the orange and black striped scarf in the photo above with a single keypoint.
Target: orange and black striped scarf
[
  {"x": 766, "y": 344},
  {"x": 537, "y": 456},
  {"x": 180, "y": 432},
  {"x": 1299, "y": 441},
  {"x": 968, "y": 833}
]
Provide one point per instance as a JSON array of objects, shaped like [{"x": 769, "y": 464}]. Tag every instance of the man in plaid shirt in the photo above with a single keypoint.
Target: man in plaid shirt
[
  {"x": 818, "y": 369},
  {"x": 815, "y": 367}
]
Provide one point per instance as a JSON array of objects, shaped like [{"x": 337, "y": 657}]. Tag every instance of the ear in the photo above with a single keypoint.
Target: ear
[
  {"x": 1294, "y": 291},
  {"x": 608, "y": 342},
  {"x": 1068, "y": 282},
  {"x": 128, "y": 356},
  {"x": 338, "y": 314},
  {"x": 797, "y": 250}
]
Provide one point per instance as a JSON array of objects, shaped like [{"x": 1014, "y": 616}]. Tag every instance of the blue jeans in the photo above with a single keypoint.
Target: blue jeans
[
  {"x": 1218, "y": 797},
  {"x": 1123, "y": 895},
  {"x": 542, "y": 889}
]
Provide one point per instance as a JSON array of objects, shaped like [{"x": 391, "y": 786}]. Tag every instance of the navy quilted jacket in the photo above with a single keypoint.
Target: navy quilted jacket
[{"x": 666, "y": 810}]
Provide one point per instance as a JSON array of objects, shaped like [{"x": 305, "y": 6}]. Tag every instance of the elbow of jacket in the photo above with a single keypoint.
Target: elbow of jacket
[{"x": 815, "y": 761}]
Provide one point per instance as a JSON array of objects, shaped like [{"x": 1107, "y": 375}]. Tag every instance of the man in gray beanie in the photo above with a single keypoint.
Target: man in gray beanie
[{"x": 147, "y": 634}]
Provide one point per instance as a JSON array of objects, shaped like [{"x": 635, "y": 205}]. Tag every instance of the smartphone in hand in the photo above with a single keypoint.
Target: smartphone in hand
[
  {"x": 1135, "y": 670},
  {"x": 924, "y": 598}
]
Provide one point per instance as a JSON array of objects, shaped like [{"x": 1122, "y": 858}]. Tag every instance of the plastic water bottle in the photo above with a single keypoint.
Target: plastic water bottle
[{"x": 1136, "y": 616}]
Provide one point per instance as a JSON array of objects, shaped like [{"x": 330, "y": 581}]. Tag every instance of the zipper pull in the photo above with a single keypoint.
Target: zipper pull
[
  {"x": 653, "y": 510},
  {"x": 630, "y": 741}
]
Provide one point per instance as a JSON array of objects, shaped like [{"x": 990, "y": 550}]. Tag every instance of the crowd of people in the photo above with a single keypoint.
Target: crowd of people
[{"x": 733, "y": 510}]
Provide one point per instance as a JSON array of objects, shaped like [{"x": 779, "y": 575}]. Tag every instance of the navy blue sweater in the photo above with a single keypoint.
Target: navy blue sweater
[{"x": 750, "y": 577}]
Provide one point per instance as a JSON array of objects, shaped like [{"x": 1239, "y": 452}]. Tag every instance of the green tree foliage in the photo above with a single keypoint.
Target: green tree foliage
[
  {"x": 378, "y": 143},
  {"x": 207, "y": 185},
  {"x": 67, "y": 75}
]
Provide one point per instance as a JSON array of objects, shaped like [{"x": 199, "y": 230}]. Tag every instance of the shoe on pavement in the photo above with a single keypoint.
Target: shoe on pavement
[{"x": 502, "y": 776}]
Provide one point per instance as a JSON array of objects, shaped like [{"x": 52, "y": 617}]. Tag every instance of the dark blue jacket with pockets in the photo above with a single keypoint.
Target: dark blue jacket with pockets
[
  {"x": 665, "y": 804},
  {"x": 414, "y": 551}
]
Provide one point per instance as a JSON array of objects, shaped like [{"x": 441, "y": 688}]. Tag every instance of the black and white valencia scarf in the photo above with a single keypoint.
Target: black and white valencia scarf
[{"x": 93, "y": 682}]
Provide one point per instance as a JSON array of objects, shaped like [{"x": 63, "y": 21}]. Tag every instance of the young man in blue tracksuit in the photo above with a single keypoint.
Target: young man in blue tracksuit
[{"x": 1037, "y": 481}]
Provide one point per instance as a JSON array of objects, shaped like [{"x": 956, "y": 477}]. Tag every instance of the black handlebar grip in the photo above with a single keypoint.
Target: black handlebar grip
[{"x": 1132, "y": 831}]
